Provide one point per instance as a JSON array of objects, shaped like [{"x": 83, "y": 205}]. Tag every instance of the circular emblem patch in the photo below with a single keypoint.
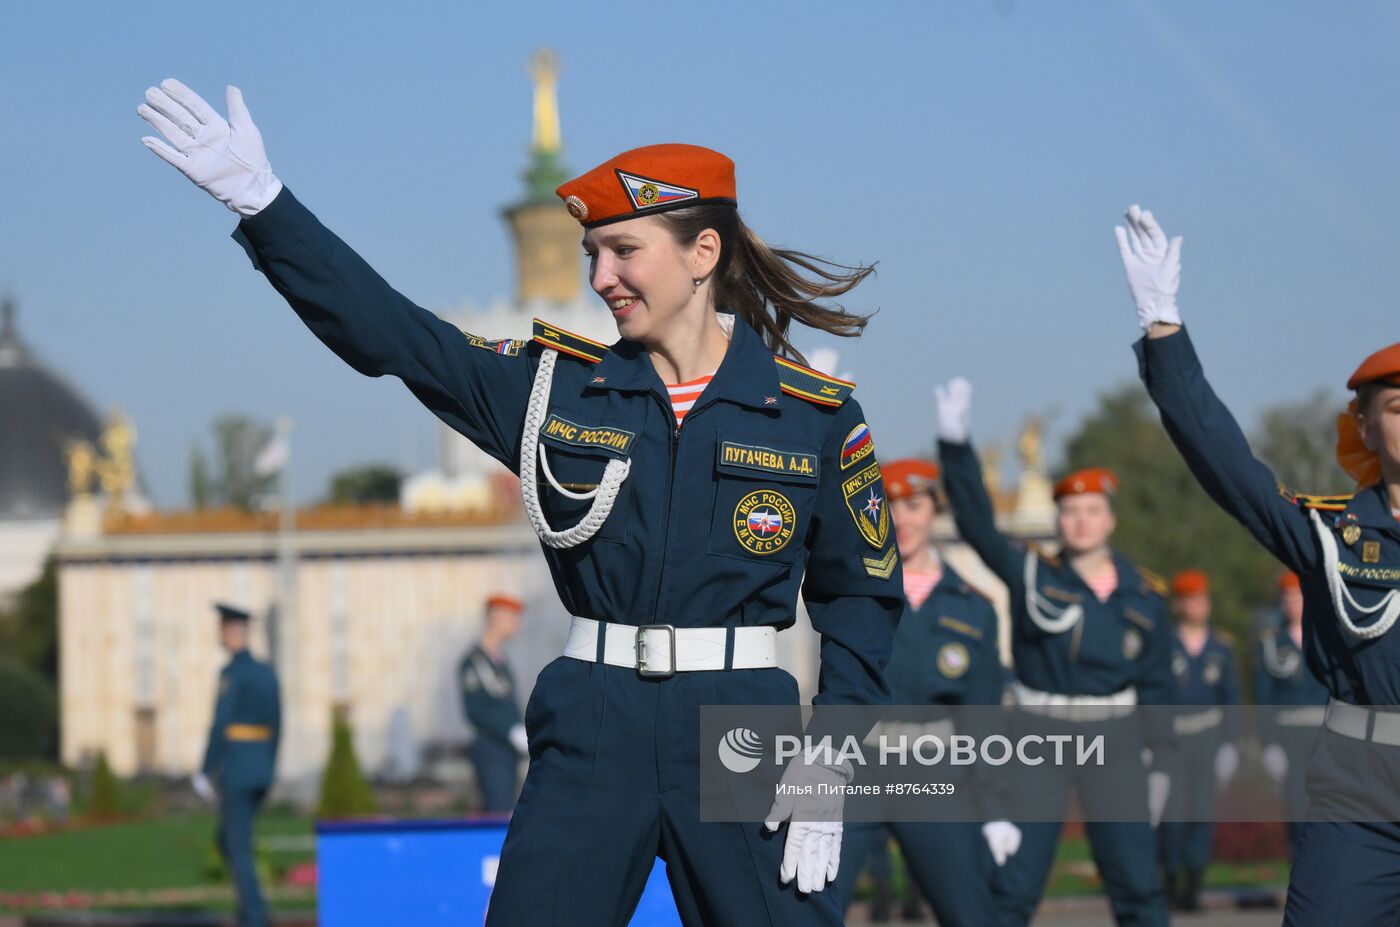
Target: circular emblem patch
[
  {"x": 1211, "y": 674},
  {"x": 1132, "y": 644},
  {"x": 647, "y": 194},
  {"x": 953, "y": 660},
  {"x": 577, "y": 208},
  {"x": 1178, "y": 664},
  {"x": 764, "y": 521}
]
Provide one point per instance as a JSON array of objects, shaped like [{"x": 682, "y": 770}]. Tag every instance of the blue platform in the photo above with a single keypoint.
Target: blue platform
[{"x": 429, "y": 873}]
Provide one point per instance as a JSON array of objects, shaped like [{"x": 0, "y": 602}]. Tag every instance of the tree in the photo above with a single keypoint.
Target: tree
[
  {"x": 1298, "y": 441},
  {"x": 1166, "y": 522},
  {"x": 365, "y": 485},
  {"x": 344, "y": 790},
  {"x": 29, "y": 629},
  {"x": 234, "y": 480},
  {"x": 28, "y": 713}
]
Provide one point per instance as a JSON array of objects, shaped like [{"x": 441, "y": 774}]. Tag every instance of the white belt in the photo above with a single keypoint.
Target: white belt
[
  {"x": 1380, "y": 727},
  {"x": 1197, "y": 722},
  {"x": 1307, "y": 716},
  {"x": 660, "y": 649},
  {"x": 1075, "y": 707}
]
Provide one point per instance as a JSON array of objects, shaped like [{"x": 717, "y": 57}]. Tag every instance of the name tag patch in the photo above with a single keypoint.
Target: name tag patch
[
  {"x": 617, "y": 440},
  {"x": 767, "y": 460}
]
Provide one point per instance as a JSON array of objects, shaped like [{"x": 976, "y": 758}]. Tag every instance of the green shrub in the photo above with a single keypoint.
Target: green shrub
[
  {"x": 344, "y": 790},
  {"x": 105, "y": 801}
]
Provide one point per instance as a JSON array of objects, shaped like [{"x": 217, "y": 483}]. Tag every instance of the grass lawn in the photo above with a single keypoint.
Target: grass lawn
[{"x": 147, "y": 855}]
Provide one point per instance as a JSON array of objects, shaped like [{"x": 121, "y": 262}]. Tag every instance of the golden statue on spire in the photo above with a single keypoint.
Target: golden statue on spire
[{"x": 544, "y": 69}]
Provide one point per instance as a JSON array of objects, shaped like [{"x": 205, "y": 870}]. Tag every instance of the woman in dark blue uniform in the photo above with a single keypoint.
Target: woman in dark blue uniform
[
  {"x": 1346, "y": 552},
  {"x": 1203, "y": 667},
  {"x": 1089, "y": 639},
  {"x": 678, "y": 535},
  {"x": 945, "y": 654},
  {"x": 1292, "y": 703}
]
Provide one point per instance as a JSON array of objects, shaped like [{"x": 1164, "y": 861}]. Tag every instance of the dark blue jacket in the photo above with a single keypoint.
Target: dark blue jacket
[
  {"x": 243, "y": 737},
  {"x": 1123, "y": 642},
  {"x": 1208, "y": 678},
  {"x": 945, "y": 651},
  {"x": 679, "y": 546},
  {"x": 488, "y": 695},
  {"x": 1353, "y": 669},
  {"x": 1281, "y": 675}
]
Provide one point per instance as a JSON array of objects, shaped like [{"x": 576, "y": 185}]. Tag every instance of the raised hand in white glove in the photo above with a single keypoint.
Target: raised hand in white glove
[
  {"x": 200, "y": 783},
  {"x": 518, "y": 740},
  {"x": 1227, "y": 761},
  {"x": 1003, "y": 839},
  {"x": 1275, "y": 762},
  {"x": 1159, "y": 786},
  {"x": 224, "y": 158},
  {"x": 1153, "y": 265},
  {"x": 812, "y": 852},
  {"x": 954, "y": 410}
]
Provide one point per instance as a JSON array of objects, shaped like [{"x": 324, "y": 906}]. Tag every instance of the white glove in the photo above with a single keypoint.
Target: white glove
[
  {"x": 1153, "y": 265},
  {"x": 954, "y": 410},
  {"x": 225, "y": 159},
  {"x": 200, "y": 783},
  {"x": 812, "y": 853},
  {"x": 518, "y": 740},
  {"x": 1003, "y": 839},
  {"x": 1159, "y": 785},
  {"x": 1227, "y": 760},
  {"x": 1275, "y": 762}
]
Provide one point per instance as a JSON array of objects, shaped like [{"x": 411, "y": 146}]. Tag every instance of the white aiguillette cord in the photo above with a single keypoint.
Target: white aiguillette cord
[
  {"x": 1341, "y": 595},
  {"x": 532, "y": 450},
  {"x": 1037, "y": 605}
]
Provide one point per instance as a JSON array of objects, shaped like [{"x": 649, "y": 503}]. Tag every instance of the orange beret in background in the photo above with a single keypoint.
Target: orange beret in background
[
  {"x": 504, "y": 601},
  {"x": 1289, "y": 580},
  {"x": 909, "y": 477},
  {"x": 1094, "y": 479},
  {"x": 1190, "y": 582},
  {"x": 649, "y": 180}
]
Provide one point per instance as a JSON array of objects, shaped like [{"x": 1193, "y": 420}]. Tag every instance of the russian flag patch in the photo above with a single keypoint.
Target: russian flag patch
[{"x": 646, "y": 193}]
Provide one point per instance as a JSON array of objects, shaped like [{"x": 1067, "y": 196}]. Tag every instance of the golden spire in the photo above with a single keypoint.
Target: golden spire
[{"x": 544, "y": 69}]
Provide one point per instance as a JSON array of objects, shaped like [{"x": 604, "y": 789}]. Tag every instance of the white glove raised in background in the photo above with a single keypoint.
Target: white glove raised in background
[
  {"x": 1003, "y": 839},
  {"x": 1153, "y": 265},
  {"x": 224, "y": 158},
  {"x": 1275, "y": 762},
  {"x": 518, "y": 740},
  {"x": 812, "y": 852},
  {"x": 954, "y": 410},
  {"x": 1227, "y": 761},
  {"x": 200, "y": 783}
]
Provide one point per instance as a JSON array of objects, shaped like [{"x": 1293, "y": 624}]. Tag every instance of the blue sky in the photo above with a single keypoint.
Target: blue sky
[{"x": 980, "y": 151}]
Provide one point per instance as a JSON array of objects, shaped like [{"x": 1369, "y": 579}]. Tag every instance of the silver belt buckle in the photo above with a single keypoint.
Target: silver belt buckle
[{"x": 642, "y": 651}]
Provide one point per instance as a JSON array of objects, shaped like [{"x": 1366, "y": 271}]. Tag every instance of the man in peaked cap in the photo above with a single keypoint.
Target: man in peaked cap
[{"x": 241, "y": 758}]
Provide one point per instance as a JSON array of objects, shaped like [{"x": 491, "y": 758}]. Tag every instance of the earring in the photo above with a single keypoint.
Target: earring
[{"x": 697, "y": 281}]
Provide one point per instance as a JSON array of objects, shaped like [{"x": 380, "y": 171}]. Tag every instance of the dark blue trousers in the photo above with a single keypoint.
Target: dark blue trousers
[
  {"x": 949, "y": 862},
  {"x": 237, "y": 807},
  {"x": 496, "y": 774},
  {"x": 614, "y": 783},
  {"x": 1185, "y": 835}
]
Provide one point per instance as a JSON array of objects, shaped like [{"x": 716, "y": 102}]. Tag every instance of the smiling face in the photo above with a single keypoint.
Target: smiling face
[
  {"x": 913, "y": 521},
  {"x": 646, "y": 277},
  {"x": 1379, "y": 420},
  {"x": 1086, "y": 522}
]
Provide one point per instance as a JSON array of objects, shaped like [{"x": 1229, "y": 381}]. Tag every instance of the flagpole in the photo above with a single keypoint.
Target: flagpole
[{"x": 283, "y": 636}]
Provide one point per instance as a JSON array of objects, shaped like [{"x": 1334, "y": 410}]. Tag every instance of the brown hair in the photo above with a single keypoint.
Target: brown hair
[{"x": 771, "y": 287}]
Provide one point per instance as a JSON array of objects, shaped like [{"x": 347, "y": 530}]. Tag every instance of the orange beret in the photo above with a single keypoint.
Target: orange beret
[
  {"x": 1095, "y": 479},
  {"x": 500, "y": 600},
  {"x": 909, "y": 477},
  {"x": 1383, "y": 366},
  {"x": 1289, "y": 580},
  {"x": 649, "y": 180},
  {"x": 1190, "y": 582}
]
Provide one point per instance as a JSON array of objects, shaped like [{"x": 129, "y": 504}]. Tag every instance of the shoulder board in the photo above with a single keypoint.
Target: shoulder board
[
  {"x": 566, "y": 342},
  {"x": 968, "y": 589},
  {"x": 1225, "y": 638},
  {"x": 811, "y": 385},
  {"x": 1324, "y": 503},
  {"x": 1039, "y": 550},
  {"x": 1153, "y": 581}
]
